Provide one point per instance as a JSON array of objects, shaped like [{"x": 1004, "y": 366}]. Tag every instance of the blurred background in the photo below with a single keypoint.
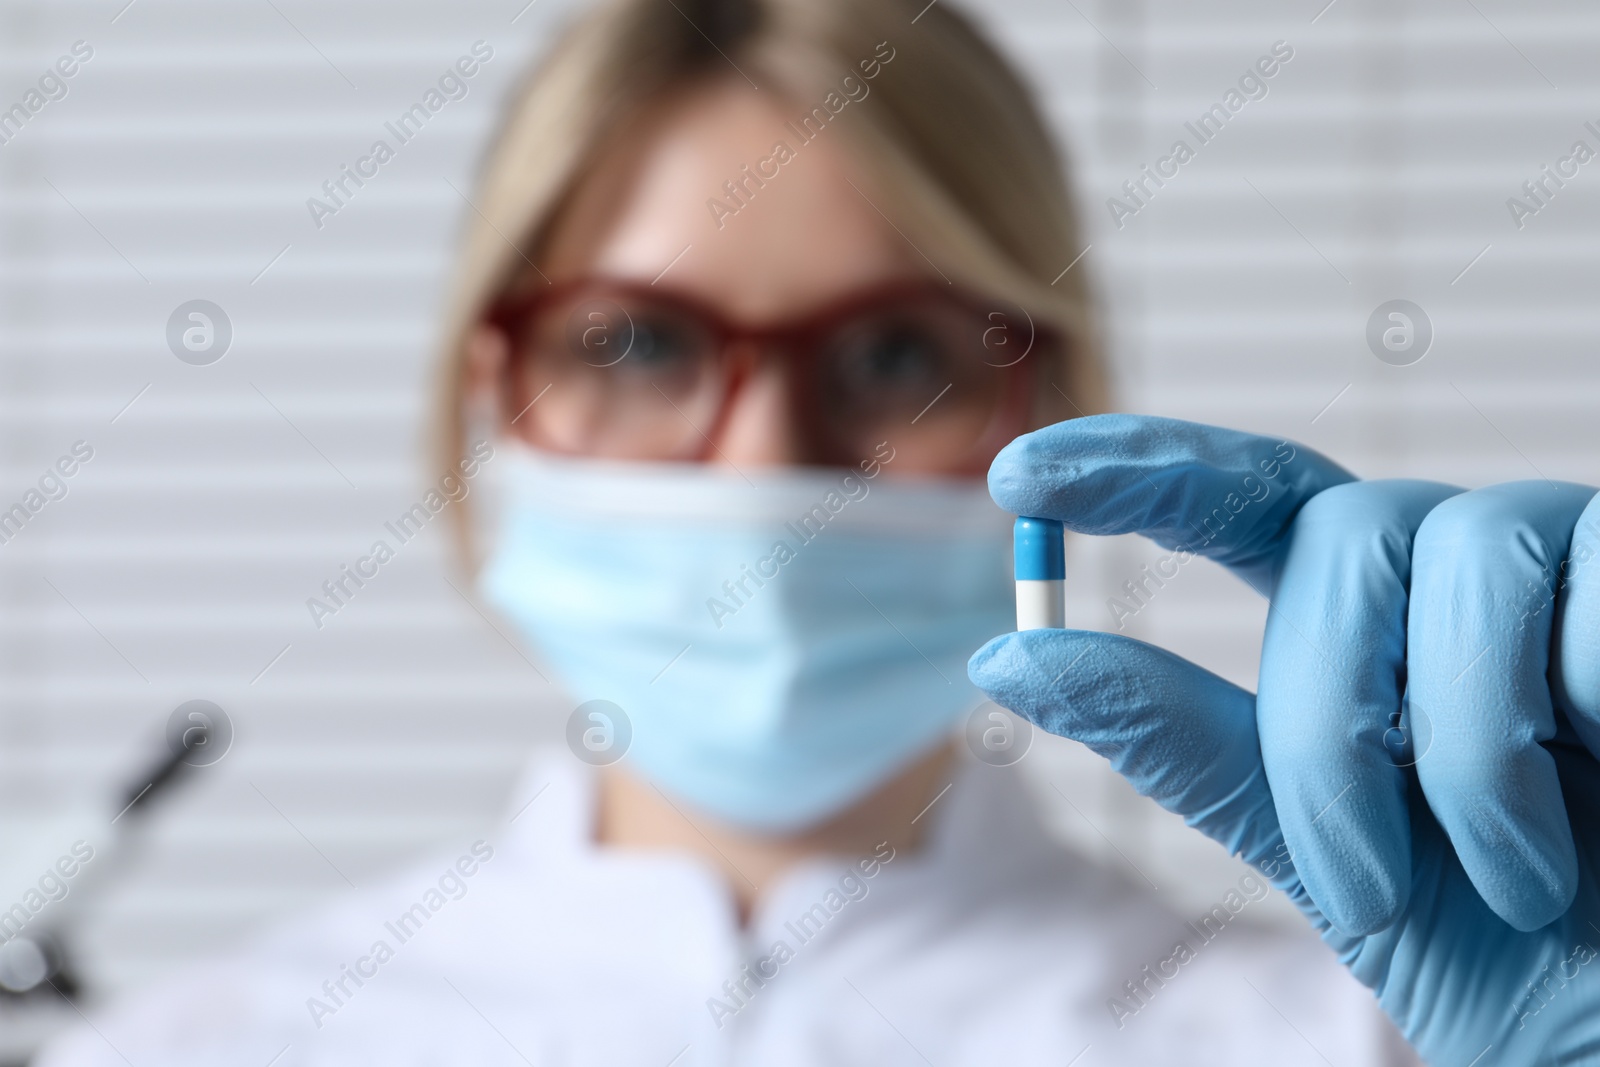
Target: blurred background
[{"x": 175, "y": 165}]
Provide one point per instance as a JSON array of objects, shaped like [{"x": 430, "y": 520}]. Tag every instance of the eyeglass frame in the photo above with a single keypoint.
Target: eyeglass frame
[{"x": 783, "y": 340}]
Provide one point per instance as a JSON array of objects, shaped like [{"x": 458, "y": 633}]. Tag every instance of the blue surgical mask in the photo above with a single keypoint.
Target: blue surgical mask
[{"x": 780, "y": 643}]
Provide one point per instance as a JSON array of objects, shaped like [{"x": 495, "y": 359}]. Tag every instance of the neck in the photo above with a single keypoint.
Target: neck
[{"x": 633, "y": 813}]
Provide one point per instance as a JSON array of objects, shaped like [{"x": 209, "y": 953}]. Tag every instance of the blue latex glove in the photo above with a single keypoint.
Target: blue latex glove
[{"x": 1418, "y": 771}]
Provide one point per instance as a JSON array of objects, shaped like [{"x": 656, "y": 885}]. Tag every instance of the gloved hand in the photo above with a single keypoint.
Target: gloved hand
[{"x": 1418, "y": 771}]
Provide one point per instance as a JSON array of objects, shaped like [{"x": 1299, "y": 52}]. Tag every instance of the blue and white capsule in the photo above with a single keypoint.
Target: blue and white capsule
[{"x": 1041, "y": 571}]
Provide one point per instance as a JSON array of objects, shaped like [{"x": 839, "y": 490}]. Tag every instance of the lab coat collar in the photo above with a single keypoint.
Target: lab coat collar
[{"x": 980, "y": 829}]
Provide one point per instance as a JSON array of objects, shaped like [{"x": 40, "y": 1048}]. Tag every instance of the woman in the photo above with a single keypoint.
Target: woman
[{"x": 753, "y": 294}]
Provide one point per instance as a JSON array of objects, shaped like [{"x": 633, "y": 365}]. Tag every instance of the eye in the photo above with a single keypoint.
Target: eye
[
  {"x": 660, "y": 345},
  {"x": 893, "y": 356}
]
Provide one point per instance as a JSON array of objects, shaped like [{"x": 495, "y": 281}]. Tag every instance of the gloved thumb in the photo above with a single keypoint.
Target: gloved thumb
[{"x": 1178, "y": 733}]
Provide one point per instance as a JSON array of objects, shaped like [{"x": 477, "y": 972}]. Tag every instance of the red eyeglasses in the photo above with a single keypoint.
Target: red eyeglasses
[{"x": 635, "y": 372}]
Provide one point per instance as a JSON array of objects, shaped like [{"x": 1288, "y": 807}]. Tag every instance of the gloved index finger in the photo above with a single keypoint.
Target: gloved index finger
[{"x": 1223, "y": 494}]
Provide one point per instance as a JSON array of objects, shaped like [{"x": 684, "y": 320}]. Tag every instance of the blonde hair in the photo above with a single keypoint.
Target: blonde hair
[{"x": 951, "y": 130}]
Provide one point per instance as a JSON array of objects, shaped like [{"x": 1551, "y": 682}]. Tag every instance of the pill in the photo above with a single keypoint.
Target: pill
[{"x": 1041, "y": 569}]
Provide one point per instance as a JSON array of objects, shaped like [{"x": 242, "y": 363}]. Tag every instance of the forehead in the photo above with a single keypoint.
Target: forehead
[{"x": 719, "y": 194}]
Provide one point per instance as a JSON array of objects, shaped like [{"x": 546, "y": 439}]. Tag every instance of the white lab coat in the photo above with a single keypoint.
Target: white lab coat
[{"x": 993, "y": 944}]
